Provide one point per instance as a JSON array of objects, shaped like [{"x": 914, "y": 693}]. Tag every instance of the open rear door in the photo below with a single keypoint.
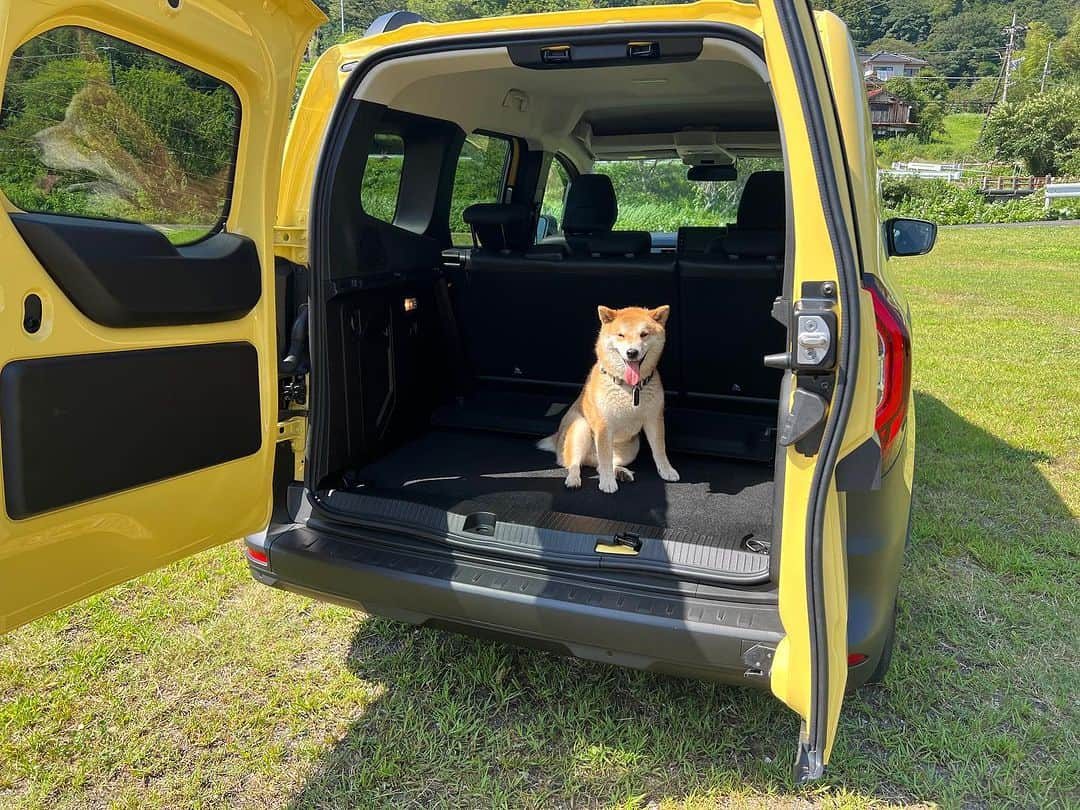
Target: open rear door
[
  {"x": 140, "y": 145},
  {"x": 830, "y": 391}
]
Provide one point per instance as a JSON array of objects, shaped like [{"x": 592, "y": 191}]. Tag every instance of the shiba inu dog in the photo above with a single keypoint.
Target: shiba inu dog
[{"x": 623, "y": 395}]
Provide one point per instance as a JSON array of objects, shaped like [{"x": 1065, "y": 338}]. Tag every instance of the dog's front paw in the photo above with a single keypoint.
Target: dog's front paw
[
  {"x": 573, "y": 480},
  {"x": 609, "y": 485},
  {"x": 668, "y": 473},
  {"x": 623, "y": 474}
]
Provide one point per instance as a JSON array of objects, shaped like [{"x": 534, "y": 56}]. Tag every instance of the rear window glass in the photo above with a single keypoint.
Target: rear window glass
[
  {"x": 555, "y": 188},
  {"x": 479, "y": 178},
  {"x": 382, "y": 177},
  {"x": 94, "y": 126},
  {"x": 654, "y": 195}
]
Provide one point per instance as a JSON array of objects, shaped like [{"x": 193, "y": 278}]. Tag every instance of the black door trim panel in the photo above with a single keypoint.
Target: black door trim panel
[
  {"x": 78, "y": 427},
  {"x": 125, "y": 274}
]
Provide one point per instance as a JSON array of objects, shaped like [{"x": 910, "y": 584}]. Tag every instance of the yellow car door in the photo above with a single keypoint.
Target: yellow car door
[
  {"x": 140, "y": 150},
  {"x": 831, "y": 368}
]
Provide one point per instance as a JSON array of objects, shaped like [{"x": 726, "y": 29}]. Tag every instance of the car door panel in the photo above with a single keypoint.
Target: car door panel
[
  {"x": 809, "y": 671},
  {"x": 150, "y": 399},
  {"x": 138, "y": 409}
]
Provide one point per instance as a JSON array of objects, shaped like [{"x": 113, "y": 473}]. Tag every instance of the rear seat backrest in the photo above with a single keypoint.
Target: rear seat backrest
[
  {"x": 727, "y": 297},
  {"x": 763, "y": 204},
  {"x": 532, "y": 317},
  {"x": 500, "y": 227},
  {"x": 591, "y": 208}
]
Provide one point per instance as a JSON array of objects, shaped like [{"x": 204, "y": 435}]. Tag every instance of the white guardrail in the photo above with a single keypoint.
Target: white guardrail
[{"x": 1056, "y": 191}]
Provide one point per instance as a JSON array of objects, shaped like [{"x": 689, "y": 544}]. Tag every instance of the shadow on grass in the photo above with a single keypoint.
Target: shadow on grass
[{"x": 971, "y": 713}]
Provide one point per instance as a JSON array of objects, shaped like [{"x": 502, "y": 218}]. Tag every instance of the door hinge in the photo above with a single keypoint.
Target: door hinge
[
  {"x": 290, "y": 241},
  {"x": 758, "y": 660},
  {"x": 294, "y": 431}
]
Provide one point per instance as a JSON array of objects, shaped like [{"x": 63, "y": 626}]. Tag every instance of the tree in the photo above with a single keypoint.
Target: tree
[
  {"x": 967, "y": 44},
  {"x": 863, "y": 17},
  {"x": 1027, "y": 76},
  {"x": 908, "y": 20},
  {"x": 1043, "y": 130},
  {"x": 1068, "y": 49},
  {"x": 926, "y": 111}
]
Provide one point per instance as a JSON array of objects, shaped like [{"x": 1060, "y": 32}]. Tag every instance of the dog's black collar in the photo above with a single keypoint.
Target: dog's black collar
[{"x": 635, "y": 388}]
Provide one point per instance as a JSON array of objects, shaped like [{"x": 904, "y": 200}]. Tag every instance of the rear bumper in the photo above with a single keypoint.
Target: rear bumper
[{"x": 683, "y": 635}]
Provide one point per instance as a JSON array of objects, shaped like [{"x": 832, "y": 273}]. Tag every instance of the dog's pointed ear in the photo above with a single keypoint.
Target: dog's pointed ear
[
  {"x": 660, "y": 314},
  {"x": 607, "y": 314}
]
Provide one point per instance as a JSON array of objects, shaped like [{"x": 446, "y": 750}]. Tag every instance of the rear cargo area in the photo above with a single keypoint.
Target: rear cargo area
[
  {"x": 478, "y": 475},
  {"x": 456, "y": 336}
]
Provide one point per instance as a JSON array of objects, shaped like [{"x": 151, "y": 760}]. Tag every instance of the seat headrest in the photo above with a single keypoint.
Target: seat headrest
[
  {"x": 763, "y": 201},
  {"x": 619, "y": 243},
  {"x": 751, "y": 244},
  {"x": 590, "y": 205},
  {"x": 501, "y": 226}
]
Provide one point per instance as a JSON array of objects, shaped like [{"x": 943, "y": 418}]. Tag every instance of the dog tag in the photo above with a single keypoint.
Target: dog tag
[{"x": 637, "y": 395}]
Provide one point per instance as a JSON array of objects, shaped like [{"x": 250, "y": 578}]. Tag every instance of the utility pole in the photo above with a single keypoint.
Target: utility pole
[
  {"x": 1012, "y": 31},
  {"x": 1046, "y": 68},
  {"x": 343, "y": 17}
]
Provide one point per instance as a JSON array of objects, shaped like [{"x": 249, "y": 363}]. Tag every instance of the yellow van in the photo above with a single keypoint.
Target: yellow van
[{"x": 340, "y": 361}]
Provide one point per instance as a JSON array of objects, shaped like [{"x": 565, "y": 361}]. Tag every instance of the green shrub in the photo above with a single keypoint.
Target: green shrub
[{"x": 947, "y": 204}]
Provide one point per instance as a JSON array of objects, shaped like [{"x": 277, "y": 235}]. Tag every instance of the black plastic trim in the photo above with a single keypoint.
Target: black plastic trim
[
  {"x": 78, "y": 427},
  {"x": 125, "y": 274},
  {"x": 616, "y": 624},
  {"x": 554, "y": 537}
]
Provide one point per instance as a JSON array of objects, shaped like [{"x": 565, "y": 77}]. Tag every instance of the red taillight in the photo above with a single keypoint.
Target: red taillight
[
  {"x": 257, "y": 557},
  {"x": 894, "y": 369},
  {"x": 854, "y": 659}
]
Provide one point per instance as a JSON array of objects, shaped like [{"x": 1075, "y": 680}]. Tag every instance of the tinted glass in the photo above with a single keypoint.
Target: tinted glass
[
  {"x": 655, "y": 195},
  {"x": 94, "y": 126},
  {"x": 382, "y": 177},
  {"x": 479, "y": 178}
]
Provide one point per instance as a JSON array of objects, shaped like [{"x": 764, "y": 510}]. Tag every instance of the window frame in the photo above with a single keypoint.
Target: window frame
[
  {"x": 384, "y": 132},
  {"x": 220, "y": 226},
  {"x": 571, "y": 173},
  {"x": 504, "y": 182}
]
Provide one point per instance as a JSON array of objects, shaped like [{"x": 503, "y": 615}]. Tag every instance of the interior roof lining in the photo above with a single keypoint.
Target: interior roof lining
[{"x": 437, "y": 84}]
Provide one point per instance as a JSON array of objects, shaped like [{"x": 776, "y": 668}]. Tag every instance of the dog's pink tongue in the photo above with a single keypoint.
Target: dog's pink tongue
[{"x": 632, "y": 374}]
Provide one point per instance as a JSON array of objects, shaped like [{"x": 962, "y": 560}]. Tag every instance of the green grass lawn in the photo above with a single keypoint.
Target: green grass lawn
[
  {"x": 961, "y": 132},
  {"x": 194, "y": 686},
  {"x": 957, "y": 142}
]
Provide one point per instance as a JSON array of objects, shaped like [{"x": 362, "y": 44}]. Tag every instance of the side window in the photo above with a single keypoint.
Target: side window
[
  {"x": 382, "y": 177},
  {"x": 94, "y": 126},
  {"x": 480, "y": 177},
  {"x": 554, "y": 202}
]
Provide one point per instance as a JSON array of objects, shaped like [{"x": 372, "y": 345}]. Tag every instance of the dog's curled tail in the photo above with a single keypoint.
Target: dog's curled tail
[{"x": 548, "y": 443}]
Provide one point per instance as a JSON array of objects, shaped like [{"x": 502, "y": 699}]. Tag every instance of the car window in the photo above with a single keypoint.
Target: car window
[
  {"x": 554, "y": 202},
  {"x": 654, "y": 195},
  {"x": 382, "y": 177},
  {"x": 480, "y": 177},
  {"x": 94, "y": 126}
]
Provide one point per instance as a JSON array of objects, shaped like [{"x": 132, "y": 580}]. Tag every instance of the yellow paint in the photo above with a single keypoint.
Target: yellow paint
[
  {"x": 57, "y": 558},
  {"x": 294, "y": 431}
]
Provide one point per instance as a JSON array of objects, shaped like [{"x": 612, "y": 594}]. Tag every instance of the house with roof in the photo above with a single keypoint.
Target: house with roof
[
  {"x": 889, "y": 114},
  {"x": 885, "y": 65}
]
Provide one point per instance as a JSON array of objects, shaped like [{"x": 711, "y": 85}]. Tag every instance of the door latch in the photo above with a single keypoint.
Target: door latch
[{"x": 812, "y": 323}]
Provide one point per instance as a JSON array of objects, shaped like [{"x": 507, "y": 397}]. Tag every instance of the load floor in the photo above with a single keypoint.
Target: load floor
[{"x": 697, "y": 527}]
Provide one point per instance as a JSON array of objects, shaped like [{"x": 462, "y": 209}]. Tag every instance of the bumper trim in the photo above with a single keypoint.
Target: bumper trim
[{"x": 681, "y": 635}]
